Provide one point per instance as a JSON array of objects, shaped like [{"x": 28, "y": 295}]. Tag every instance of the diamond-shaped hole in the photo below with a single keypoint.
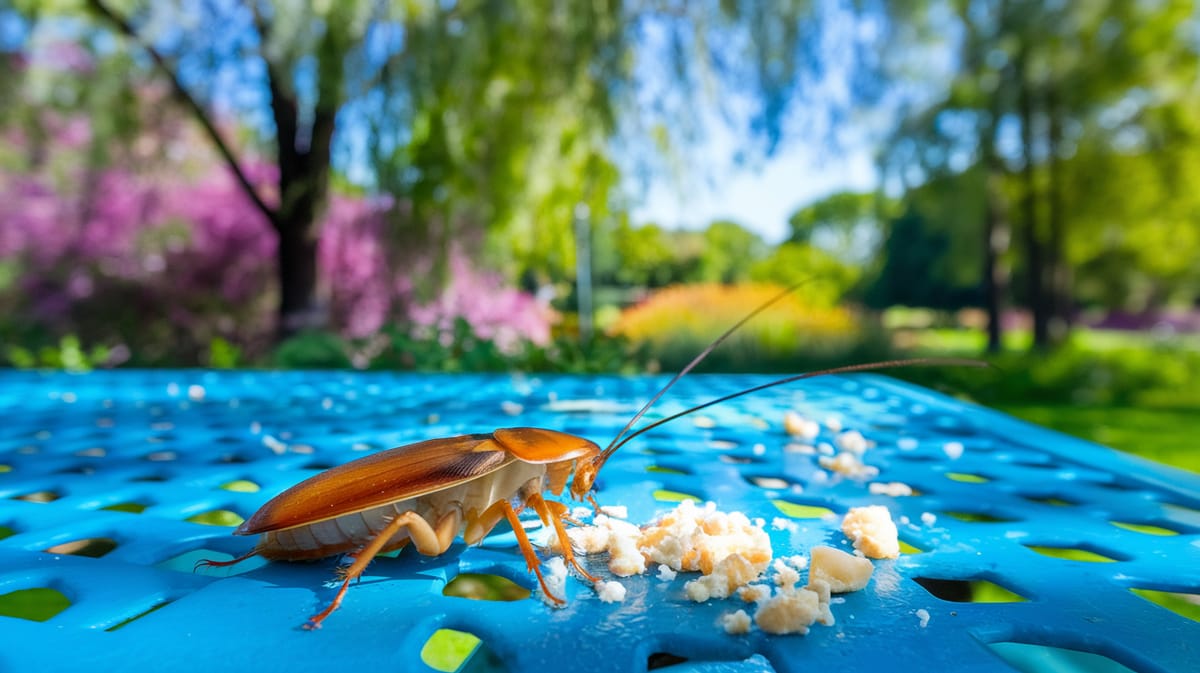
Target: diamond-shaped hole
[
  {"x": 7, "y": 531},
  {"x": 39, "y": 496},
  {"x": 452, "y": 650},
  {"x": 969, "y": 591},
  {"x": 217, "y": 517},
  {"x": 1053, "y": 501},
  {"x": 126, "y": 622},
  {"x": 967, "y": 477},
  {"x": 131, "y": 507},
  {"x": 659, "y": 469},
  {"x": 1081, "y": 553},
  {"x": 5, "y": 468},
  {"x": 798, "y": 510},
  {"x": 660, "y": 660},
  {"x": 906, "y": 548},
  {"x": 1145, "y": 528},
  {"x": 1039, "y": 658},
  {"x": 92, "y": 547},
  {"x": 737, "y": 460},
  {"x": 772, "y": 483},
  {"x": 483, "y": 587},
  {"x": 977, "y": 517},
  {"x": 241, "y": 486},
  {"x": 186, "y": 563},
  {"x": 36, "y": 605},
  {"x": 1183, "y": 604},
  {"x": 664, "y": 495}
]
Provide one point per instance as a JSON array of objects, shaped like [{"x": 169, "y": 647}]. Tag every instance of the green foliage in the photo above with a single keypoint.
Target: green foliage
[
  {"x": 312, "y": 350},
  {"x": 456, "y": 352},
  {"x": 68, "y": 354},
  {"x": 1075, "y": 374},
  {"x": 223, "y": 355},
  {"x": 827, "y": 278}
]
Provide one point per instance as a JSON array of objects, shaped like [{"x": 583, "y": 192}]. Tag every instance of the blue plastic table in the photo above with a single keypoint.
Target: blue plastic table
[{"x": 128, "y": 457}]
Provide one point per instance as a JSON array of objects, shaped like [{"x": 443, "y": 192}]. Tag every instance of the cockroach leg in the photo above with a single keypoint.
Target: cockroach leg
[
  {"x": 481, "y": 524},
  {"x": 547, "y": 511},
  {"x": 595, "y": 505},
  {"x": 419, "y": 530},
  {"x": 531, "y": 559},
  {"x": 207, "y": 563}
]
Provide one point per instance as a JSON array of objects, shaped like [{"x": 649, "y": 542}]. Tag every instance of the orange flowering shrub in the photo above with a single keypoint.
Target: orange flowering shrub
[{"x": 676, "y": 323}]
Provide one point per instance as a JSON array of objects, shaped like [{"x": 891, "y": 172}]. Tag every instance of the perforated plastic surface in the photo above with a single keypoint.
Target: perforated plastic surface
[{"x": 166, "y": 442}]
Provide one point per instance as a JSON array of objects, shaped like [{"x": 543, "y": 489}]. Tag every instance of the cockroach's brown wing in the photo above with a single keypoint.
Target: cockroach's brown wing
[{"x": 371, "y": 481}]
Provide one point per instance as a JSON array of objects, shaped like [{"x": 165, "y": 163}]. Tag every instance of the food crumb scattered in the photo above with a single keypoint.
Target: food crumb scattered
[
  {"x": 894, "y": 489},
  {"x": 610, "y": 592},
  {"x": 781, "y": 523},
  {"x": 844, "y": 572},
  {"x": 928, "y": 518},
  {"x": 852, "y": 441},
  {"x": 556, "y": 580},
  {"x": 616, "y": 511},
  {"x": 754, "y": 593},
  {"x": 798, "y": 426},
  {"x": 953, "y": 449},
  {"x": 872, "y": 531},
  {"x": 923, "y": 615},
  {"x": 849, "y": 464},
  {"x": 736, "y": 623},
  {"x": 665, "y": 573}
]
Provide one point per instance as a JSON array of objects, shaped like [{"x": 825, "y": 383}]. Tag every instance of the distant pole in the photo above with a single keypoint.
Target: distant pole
[{"x": 583, "y": 271}]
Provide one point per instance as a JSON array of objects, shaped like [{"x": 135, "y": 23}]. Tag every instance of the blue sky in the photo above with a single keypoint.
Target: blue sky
[{"x": 759, "y": 197}]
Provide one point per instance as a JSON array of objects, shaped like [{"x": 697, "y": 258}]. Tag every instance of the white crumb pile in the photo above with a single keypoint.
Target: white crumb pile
[
  {"x": 872, "y": 531},
  {"x": 734, "y": 558}
]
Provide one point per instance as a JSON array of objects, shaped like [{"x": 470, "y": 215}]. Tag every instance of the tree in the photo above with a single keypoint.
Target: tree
[
  {"x": 1035, "y": 85},
  {"x": 476, "y": 116}
]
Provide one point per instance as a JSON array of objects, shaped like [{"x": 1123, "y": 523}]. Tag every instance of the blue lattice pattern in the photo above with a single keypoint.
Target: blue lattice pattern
[{"x": 129, "y": 457}]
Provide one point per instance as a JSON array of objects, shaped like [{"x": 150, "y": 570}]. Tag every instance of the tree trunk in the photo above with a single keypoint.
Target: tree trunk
[
  {"x": 1035, "y": 272},
  {"x": 1058, "y": 271},
  {"x": 996, "y": 236},
  {"x": 297, "y": 273}
]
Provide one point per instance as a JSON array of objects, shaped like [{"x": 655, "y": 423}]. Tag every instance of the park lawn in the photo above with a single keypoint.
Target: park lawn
[{"x": 1169, "y": 435}]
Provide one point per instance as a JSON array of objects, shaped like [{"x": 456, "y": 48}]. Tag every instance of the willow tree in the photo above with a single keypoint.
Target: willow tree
[{"x": 477, "y": 115}]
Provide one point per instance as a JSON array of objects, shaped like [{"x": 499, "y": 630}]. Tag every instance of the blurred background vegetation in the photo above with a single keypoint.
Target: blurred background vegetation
[{"x": 453, "y": 186}]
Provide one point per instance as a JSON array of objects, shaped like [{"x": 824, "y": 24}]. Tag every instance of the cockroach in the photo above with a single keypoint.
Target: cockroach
[{"x": 430, "y": 492}]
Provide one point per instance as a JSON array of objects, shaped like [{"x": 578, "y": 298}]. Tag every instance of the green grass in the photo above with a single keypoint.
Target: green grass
[{"x": 1165, "y": 435}]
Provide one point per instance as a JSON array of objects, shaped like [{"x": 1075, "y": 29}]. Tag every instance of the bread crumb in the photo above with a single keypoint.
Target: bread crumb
[
  {"x": 953, "y": 449},
  {"x": 754, "y": 593},
  {"x": 798, "y": 426},
  {"x": 665, "y": 573},
  {"x": 928, "y": 518},
  {"x": 610, "y": 592},
  {"x": 785, "y": 575},
  {"x": 872, "y": 531},
  {"x": 923, "y": 615},
  {"x": 844, "y": 572},
  {"x": 781, "y": 523},
  {"x": 894, "y": 489},
  {"x": 616, "y": 511},
  {"x": 849, "y": 464},
  {"x": 852, "y": 441},
  {"x": 731, "y": 572},
  {"x": 788, "y": 612},
  {"x": 556, "y": 580},
  {"x": 736, "y": 623}
]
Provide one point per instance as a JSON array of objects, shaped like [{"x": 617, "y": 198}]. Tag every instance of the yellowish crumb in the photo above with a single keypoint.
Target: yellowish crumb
[
  {"x": 844, "y": 572},
  {"x": 872, "y": 531}
]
